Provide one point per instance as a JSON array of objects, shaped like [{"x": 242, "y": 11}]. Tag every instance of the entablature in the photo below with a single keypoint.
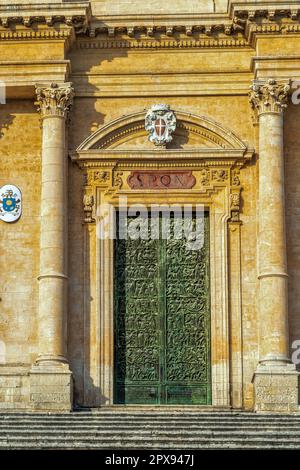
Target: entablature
[{"x": 237, "y": 27}]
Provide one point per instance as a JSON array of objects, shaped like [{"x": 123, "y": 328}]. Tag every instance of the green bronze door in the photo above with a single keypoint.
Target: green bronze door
[{"x": 162, "y": 321}]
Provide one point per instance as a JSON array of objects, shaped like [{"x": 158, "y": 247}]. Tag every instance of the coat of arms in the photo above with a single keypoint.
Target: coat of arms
[
  {"x": 160, "y": 123},
  {"x": 10, "y": 203}
]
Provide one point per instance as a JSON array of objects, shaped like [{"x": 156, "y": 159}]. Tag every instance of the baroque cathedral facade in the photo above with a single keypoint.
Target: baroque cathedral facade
[{"x": 118, "y": 105}]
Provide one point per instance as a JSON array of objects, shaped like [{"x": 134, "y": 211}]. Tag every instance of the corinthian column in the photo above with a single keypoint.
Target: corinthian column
[
  {"x": 50, "y": 375},
  {"x": 275, "y": 380}
]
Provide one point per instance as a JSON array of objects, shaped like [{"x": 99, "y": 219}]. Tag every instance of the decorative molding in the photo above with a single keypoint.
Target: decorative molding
[
  {"x": 205, "y": 177},
  {"x": 120, "y": 134},
  {"x": 139, "y": 126},
  {"x": 131, "y": 29},
  {"x": 198, "y": 178},
  {"x": 100, "y": 280},
  {"x": 241, "y": 25},
  {"x": 219, "y": 175},
  {"x": 269, "y": 96},
  {"x": 54, "y": 100},
  {"x": 99, "y": 177},
  {"x": 216, "y": 196},
  {"x": 161, "y": 43},
  {"x": 235, "y": 203},
  {"x": 88, "y": 206},
  {"x": 29, "y": 34},
  {"x": 114, "y": 172},
  {"x": 164, "y": 163},
  {"x": 201, "y": 178},
  {"x": 76, "y": 15},
  {"x": 117, "y": 180},
  {"x": 235, "y": 177}
]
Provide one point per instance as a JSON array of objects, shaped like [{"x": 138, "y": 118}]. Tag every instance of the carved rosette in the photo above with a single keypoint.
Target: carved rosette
[
  {"x": 54, "y": 100},
  {"x": 269, "y": 96}
]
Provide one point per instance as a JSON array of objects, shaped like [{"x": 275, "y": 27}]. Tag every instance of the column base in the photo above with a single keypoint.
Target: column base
[
  {"x": 51, "y": 387},
  {"x": 276, "y": 386}
]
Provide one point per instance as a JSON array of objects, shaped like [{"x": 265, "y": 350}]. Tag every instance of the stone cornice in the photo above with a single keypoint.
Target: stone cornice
[
  {"x": 93, "y": 157},
  {"x": 287, "y": 66},
  {"x": 74, "y": 14},
  {"x": 268, "y": 8},
  {"x": 20, "y": 77},
  {"x": 237, "y": 28},
  {"x": 238, "y": 25}
]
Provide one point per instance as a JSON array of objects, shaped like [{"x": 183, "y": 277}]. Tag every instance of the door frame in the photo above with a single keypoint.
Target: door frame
[
  {"x": 218, "y": 189},
  {"x": 219, "y": 215}
]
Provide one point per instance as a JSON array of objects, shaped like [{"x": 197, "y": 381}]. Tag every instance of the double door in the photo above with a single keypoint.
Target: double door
[{"x": 162, "y": 319}]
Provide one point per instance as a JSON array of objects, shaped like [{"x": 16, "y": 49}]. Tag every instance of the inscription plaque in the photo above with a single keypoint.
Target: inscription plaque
[{"x": 153, "y": 179}]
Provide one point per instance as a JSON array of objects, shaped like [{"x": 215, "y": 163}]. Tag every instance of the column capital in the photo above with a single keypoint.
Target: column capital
[
  {"x": 54, "y": 99},
  {"x": 269, "y": 96}
]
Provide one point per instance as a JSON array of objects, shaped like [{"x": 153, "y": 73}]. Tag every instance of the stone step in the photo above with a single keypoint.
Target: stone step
[
  {"x": 155, "y": 442},
  {"x": 149, "y": 430},
  {"x": 130, "y": 426},
  {"x": 132, "y": 423},
  {"x": 130, "y": 413},
  {"x": 147, "y": 421},
  {"x": 159, "y": 446},
  {"x": 74, "y": 434},
  {"x": 141, "y": 412},
  {"x": 259, "y": 417},
  {"x": 140, "y": 437}
]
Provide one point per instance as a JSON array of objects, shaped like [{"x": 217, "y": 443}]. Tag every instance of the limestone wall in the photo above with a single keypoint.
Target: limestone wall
[{"x": 20, "y": 164}]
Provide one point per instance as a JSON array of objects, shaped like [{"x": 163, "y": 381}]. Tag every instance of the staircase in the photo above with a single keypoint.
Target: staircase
[{"x": 149, "y": 429}]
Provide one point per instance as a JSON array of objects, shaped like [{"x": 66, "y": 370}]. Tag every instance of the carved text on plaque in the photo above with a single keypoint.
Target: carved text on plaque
[{"x": 152, "y": 179}]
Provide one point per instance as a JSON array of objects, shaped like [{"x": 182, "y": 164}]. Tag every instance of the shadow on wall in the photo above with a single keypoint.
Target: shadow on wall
[{"x": 5, "y": 119}]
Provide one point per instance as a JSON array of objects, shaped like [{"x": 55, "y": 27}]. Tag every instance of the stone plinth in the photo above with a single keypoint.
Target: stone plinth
[
  {"x": 276, "y": 390},
  {"x": 51, "y": 388}
]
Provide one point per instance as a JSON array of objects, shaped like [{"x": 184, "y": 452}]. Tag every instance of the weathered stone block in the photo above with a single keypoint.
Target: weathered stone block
[
  {"x": 51, "y": 388},
  {"x": 276, "y": 388},
  {"x": 14, "y": 388}
]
